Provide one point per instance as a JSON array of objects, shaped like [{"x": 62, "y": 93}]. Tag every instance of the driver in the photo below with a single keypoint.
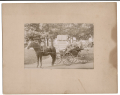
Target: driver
[{"x": 69, "y": 48}]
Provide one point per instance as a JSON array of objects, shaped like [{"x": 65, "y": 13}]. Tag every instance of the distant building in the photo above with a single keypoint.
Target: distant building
[
  {"x": 62, "y": 37},
  {"x": 90, "y": 39},
  {"x": 61, "y": 42},
  {"x": 74, "y": 39}
]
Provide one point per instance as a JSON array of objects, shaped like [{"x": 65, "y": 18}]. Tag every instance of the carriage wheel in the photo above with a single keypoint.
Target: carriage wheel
[
  {"x": 68, "y": 59},
  {"x": 81, "y": 58},
  {"x": 58, "y": 58},
  {"x": 76, "y": 60}
]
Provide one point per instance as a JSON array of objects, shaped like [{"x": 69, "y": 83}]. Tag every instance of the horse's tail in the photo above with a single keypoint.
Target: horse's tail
[
  {"x": 54, "y": 49},
  {"x": 53, "y": 54}
]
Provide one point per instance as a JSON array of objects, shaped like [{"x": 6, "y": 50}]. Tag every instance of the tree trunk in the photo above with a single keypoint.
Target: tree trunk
[
  {"x": 47, "y": 42},
  {"x": 39, "y": 41},
  {"x": 52, "y": 42},
  {"x": 72, "y": 39}
]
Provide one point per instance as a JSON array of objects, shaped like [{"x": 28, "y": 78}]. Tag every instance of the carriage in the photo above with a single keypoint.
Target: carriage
[{"x": 75, "y": 55}]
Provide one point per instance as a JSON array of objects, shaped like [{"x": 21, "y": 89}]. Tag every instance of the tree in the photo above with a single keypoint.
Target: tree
[{"x": 50, "y": 30}]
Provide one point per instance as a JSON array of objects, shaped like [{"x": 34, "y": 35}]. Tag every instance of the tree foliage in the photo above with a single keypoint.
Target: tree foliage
[{"x": 78, "y": 30}]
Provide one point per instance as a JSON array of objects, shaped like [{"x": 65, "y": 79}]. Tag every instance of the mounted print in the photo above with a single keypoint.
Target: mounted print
[
  {"x": 59, "y": 45},
  {"x": 59, "y": 48}
]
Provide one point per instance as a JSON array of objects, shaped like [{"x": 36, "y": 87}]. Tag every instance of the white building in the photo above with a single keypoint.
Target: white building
[{"x": 61, "y": 42}]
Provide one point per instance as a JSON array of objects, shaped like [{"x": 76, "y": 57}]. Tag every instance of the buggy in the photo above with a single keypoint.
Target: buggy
[{"x": 74, "y": 55}]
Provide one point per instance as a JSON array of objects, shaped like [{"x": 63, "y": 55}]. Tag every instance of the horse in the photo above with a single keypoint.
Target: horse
[{"x": 39, "y": 53}]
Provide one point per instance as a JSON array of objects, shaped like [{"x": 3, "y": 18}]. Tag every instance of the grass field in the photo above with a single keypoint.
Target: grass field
[
  {"x": 89, "y": 53},
  {"x": 30, "y": 56}
]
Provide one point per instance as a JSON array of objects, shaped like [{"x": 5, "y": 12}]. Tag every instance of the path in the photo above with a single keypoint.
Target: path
[{"x": 47, "y": 65}]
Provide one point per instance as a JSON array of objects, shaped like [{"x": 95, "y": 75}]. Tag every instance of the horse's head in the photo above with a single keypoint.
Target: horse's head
[
  {"x": 30, "y": 44},
  {"x": 33, "y": 44}
]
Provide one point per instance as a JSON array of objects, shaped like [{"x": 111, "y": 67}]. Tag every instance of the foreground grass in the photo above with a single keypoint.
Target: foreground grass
[
  {"x": 30, "y": 56},
  {"x": 89, "y": 54}
]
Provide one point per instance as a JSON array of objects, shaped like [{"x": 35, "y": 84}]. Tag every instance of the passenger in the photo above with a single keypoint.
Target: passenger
[{"x": 68, "y": 48}]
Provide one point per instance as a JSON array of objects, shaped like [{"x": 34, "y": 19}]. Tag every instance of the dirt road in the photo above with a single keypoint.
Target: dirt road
[{"x": 46, "y": 64}]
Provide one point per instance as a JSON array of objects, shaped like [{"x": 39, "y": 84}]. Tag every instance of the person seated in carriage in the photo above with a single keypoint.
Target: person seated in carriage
[
  {"x": 68, "y": 48},
  {"x": 71, "y": 47},
  {"x": 74, "y": 47}
]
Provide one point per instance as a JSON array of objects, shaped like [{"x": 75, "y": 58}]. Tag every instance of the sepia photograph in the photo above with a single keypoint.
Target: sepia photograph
[{"x": 59, "y": 45}]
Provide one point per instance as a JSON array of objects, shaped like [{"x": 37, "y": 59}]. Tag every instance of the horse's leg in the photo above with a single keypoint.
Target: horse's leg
[
  {"x": 37, "y": 60},
  {"x": 40, "y": 61},
  {"x": 53, "y": 55},
  {"x": 53, "y": 58}
]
